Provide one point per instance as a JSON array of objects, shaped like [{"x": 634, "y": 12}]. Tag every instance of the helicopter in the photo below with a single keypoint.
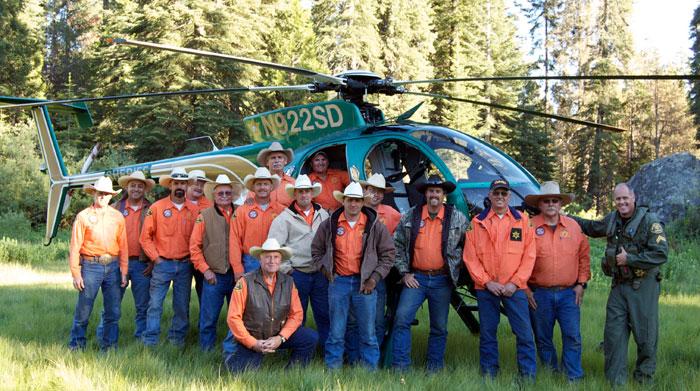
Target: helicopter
[{"x": 354, "y": 134}]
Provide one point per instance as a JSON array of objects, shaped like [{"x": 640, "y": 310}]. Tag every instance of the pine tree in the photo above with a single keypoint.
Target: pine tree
[{"x": 694, "y": 93}]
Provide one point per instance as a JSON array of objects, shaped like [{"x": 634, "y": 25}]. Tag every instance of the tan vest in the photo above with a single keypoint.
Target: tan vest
[
  {"x": 265, "y": 316},
  {"x": 215, "y": 240}
]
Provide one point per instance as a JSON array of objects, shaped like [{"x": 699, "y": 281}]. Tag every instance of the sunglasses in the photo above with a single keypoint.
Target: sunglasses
[
  {"x": 502, "y": 193},
  {"x": 224, "y": 193},
  {"x": 552, "y": 201}
]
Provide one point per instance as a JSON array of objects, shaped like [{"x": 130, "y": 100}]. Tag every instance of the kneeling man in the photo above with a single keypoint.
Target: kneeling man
[{"x": 265, "y": 313}]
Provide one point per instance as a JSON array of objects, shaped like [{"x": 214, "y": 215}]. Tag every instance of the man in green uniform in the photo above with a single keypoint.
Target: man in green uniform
[{"x": 635, "y": 251}]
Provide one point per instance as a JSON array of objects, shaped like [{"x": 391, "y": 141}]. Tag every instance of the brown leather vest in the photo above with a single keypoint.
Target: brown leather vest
[
  {"x": 264, "y": 316},
  {"x": 215, "y": 240}
]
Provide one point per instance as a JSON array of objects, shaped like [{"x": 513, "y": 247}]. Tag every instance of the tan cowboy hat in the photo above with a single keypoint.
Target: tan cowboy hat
[
  {"x": 549, "y": 189},
  {"x": 102, "y": 184},
  {"x": 303, "y": 182},
  {"x": 261, "y": 173},
  {"x": 378, "y": 181},
  {"x": 269, "y": 246},
  {"x": 274, "y": 147},
  {"x": 222, "y": 179},
  {"x": 136, "y": 176},
  {"x": 354, "y": 190},
  {"x": 197, "y": 175},
  {"x": 178, "y": 174}
]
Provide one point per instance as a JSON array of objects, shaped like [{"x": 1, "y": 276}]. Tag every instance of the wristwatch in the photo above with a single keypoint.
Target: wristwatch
[
  {"x": 282, "y": 338},
  {"x": 583, "y": 284}
]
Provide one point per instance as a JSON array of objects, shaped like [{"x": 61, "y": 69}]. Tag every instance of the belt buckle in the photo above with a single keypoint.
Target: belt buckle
[{"x": 104, "y": 259}]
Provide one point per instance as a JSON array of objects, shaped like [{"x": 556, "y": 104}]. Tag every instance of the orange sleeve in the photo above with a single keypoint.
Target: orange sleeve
[
  {"x": 196, "y": 254},
  {"x": 147, "y": 233},
  {"x": 584, "y": 260},
  {"x": 295, "y": 316},
  {"x": 473, "y": 263},
  {"x": 235, "y": 315},
  {"x": 123, "y": 245},
  {"x": 527, "y": 261},
  {"x": 234, "y": 247},
  {"x": 76, "y": 242},
  {"x": 345, "y": 178}
]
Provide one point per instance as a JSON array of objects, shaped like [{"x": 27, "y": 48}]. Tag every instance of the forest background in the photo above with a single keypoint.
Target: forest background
[{"x": 57, "y": 49}]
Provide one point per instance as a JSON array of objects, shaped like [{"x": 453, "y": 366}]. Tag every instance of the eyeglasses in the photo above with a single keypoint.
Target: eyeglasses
[
  {"x": 502, "y": 193},
  {"x": 552, "y": 201},
  {"x": 224, "y": 193}
]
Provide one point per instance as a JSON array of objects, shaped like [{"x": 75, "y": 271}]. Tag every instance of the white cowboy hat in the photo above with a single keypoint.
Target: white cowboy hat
[
  {"x": 354, "y": 190},
  {"x": 269, "y": 246},
  {"x": 102, "y": 184},
  {"x": 178, "y": 174},
  {"x": 303, "y": 182},
  {"x": 261, "y": 173},
  {"x": 222, "y": 179},
  {"x": 136, "y": 176},
  {"x": 378, "y": 181},
  {"x": 197, "y": 175},
  {"x": 274, "y": 147},
  {"x": 549, "y": 189}
]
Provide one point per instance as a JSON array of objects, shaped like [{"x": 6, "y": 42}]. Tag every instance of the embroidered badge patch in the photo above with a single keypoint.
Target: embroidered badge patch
[
  {"x": 200, "y": 218},
  {"x": 249, "y": 201},
  {"x": 422, "y": 223},
  {"x": 167, "y": 213},
  {"x": 564, "y": 234},
  {"x": 252, "y": 214},
  {"x": 656, "y": 228},
  {"x": 93, "y": 219},
  {"x": 540, "y": 231},
  {"x": 150, "y": 212},
  {"x": 340, "y": 231},
  {"x": 125, "y": 212},
  {"x": 516, "y": 234},
  {"x": 239, "y": 285}
]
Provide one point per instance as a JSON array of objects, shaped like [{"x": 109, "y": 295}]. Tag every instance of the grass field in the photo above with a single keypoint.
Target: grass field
[{"x": 37, "y": 303}]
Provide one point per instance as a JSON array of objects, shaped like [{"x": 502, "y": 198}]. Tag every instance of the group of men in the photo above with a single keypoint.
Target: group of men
[{"x": 324, "y": 240}]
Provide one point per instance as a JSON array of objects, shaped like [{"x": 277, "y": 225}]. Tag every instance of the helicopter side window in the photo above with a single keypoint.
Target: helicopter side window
[
  {"x": 336, "y": 159},
  {"x": 403, "y": 166}
]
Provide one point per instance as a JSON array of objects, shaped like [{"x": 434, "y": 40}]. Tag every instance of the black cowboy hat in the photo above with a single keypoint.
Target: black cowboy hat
[{"x": 436, "y": 181}]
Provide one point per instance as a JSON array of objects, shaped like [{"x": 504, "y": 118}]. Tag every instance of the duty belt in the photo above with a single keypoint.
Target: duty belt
[
  {"x": 101, "y": 259},
  {"x": 437, "y": 272}
]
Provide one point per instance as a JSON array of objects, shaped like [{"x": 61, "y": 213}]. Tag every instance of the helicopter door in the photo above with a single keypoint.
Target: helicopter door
[
  {"x": 336, "y": 159},
  {"x": 404, "y": 166}
]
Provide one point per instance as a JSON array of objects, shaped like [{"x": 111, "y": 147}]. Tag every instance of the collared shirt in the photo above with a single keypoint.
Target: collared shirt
[
  {"x": 279, "y": 194},
  {"x": 308, "y": 218},
  {"x": 236, "y": 308},
  {"x": 348, "y": 245},
  {"x": 166, "y": 230},
  {"x": 427, "y": 254},
  {"x": 563, "y": 256},
  {"x": 196, "y": 253},
  {"x": 389, "y": 217},
  {"x": 202, "y": 203},
  {"x": 249, "y": 228},
  {"x": 335, "y": 180},
  {"x": 500, "y": 249},
  {"x": 99, "y": 232},
  {"x": 133, "y": 227}
]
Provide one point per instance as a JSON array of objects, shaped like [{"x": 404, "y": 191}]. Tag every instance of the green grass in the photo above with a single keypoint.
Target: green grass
[{"x": 37, "y": 303}]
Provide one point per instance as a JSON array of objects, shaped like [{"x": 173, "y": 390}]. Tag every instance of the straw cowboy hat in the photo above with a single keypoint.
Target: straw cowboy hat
[
  {"x": 550, "y": 189},
  {"x": 274, "y": 147},
  {"x": 269, "y": 246},
  {"x": 378, "y": 181},
  {"x": 354, "y": 190},
  {"x": 303, "y": 182},
  {"x": 222, "y": 179},
  {"x": 436, "y": 181},
  {"x": 102, "y": 184},
  {"x": 177, "y": 174},
  {"x": 136, "y": 176},
  {"x": 261, "y": 173},
  {"x": 197, "y": 175}
]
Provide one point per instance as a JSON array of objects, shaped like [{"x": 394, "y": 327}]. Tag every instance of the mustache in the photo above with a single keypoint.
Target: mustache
[{"x": 179, "y": 193}]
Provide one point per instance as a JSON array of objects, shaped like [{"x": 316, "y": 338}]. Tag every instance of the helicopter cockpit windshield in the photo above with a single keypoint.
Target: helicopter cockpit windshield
[{"x": 475, "y": 164}]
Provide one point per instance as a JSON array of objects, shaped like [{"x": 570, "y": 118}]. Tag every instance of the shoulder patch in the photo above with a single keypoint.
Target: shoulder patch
[
  {"x": 200, "y": 218},
  {"x": 150, "y": 212},
  {"x": 529, "y": 223},
  {"x": 249, "y": 201},
  {"x": 239, "y": 285},
  {"x": 656, "y": 228}
]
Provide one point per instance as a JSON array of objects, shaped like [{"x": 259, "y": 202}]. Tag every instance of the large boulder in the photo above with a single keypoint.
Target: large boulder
[{"x": 669, "y": 185}]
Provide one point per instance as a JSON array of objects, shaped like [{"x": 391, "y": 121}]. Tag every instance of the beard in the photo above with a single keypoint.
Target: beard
[{"x": 179, "y": 193}]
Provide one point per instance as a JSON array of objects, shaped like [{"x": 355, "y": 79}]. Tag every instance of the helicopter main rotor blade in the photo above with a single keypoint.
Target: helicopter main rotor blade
[
  {"x": 520, "y": 110},
  {"x": 511, "y": 78},
  {"x": 316, "y": 76},
  {"x": 303, "y": 87}
]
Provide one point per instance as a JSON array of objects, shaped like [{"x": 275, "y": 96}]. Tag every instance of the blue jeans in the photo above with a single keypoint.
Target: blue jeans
[
  {"x": 343, "y": 294},
  {"x": 352, "y": 340},
  {"x": 212, "y": 301},
  {"x": 140, "y": 285},
  {"x": 229, "y": 346},
  {"x": 96, "y": 276},
  {"x": 180, "y": 273},
  {"x": 437, "y": 290},
  {"x": 561, "y": 307},
  {"x": 518, "y": 314},
  {"x": 302, "y": 344},
  {"x": 314, "y": 287}
]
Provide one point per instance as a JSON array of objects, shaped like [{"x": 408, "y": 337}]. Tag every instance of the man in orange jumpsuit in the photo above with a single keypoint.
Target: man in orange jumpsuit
[
  {"x": 330, "y": 179},
  {"x": 562, "y": 269},
  {"x": 165, "y": 239},
  {"x": 98, "y": 259},
  {"x": 260, "y": 331},
  {"x": 500, "y": 252}
]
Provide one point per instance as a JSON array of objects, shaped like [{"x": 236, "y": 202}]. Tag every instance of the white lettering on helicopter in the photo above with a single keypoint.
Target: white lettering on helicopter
[
  {"x": 115, "y": 173},
  {"x": 318, "y": 117}
]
